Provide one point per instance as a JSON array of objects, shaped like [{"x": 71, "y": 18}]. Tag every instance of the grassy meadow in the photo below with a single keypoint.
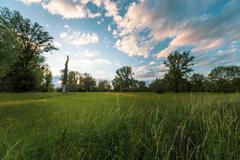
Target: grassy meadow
[{"x": 119, "y": 126}]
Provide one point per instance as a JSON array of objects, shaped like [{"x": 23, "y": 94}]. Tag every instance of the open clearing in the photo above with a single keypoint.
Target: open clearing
[{"x": 119, "y": 126}]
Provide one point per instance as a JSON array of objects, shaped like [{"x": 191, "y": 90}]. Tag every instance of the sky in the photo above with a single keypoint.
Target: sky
[{"x": 100, "y": 36}]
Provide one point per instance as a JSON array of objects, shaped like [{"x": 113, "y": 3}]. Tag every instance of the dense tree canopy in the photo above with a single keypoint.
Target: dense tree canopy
[
  {"x": 225, "y": 78},
  {"x": 88, "y": 82},
  {"x": 157, "y": 85},
  {"x": 123, "y": 79},
  {"x": 197, "y": 81},
  {"x": 76, "y": 81},
  {"x": 27, "y": 67},
  {"x": 179, "y": 64},
  {"x": 73, "y": 81},
  {"x": 103, "y": 85},
  {"x": 9, "y": 48}
]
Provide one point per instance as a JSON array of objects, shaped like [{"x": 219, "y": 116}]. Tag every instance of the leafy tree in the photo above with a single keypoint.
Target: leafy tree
[
  {"x": 225, "y": 72},
  {"x": 9, "y": 48},
  {"x": 88, "y": 82},
  {"x": 208, "y": 85},
  {"x": 64, "y": 76},
  {"x": 29, "y": 63},
  {"x": 179, "y": 64},
  {"x": 133, "y": 85},
  {"x": 236, "y": 84},
  {"x": 197, "y": 81},
  {"x": 103, "y": 85},
  {"x": 117, "y": 83},
  {"x": 48, "y": 86},
  {"x": 223, "y": 78},
  {"x": 142, "y": 85},
  {"x": 157, "y": 85},
  {"x": 73, "y": 81},
  {"x": 123, "y": 79}
]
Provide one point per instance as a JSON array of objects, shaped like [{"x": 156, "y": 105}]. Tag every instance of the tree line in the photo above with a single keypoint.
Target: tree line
[
  {"x": 179, "y": 78},
  {"x": 23, "y": 67}
]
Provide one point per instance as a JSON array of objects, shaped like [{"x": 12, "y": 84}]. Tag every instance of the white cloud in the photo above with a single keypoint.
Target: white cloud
[
  {"x": 152, "y": 62},
  {"x": 63, "y": 35},
  {"x": 114, "y": 32},
  {"x": 67, "y": 27},
  {"x": 66, "y": 8},
  {"x": 29, "y": 2},
  {"x": 86, "y": 64},
  {"x": 143, "y": 71},
  {"x": 56, "y": 44},
  {"x": 149, "y": 71},
  {"x": 77, "y": 62},
  {"x": 112, "y": 10},
  {"x": 129, "y": 45},
  {"x": 109, "y": 28},
  {"x": 97, "y": 2},
  {"x": 89, "y": 54},
  {"x": 78, "y": 38},
  {"x": 101, "y": 61},
  {"x": 162, "y": 68}
]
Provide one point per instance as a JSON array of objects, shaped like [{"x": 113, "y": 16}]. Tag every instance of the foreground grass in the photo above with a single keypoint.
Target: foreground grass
[{"x": 119, "y": 126}]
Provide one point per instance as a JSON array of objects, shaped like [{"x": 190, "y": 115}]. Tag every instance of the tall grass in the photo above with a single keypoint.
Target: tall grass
[{"x": 120, "y": 126}]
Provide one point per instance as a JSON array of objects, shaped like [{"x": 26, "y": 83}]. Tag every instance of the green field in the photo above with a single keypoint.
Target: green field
[{"x": 119, "y": 126}]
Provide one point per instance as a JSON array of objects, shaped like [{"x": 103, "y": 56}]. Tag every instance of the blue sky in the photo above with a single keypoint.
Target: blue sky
[{"x": 102, "y": 35}]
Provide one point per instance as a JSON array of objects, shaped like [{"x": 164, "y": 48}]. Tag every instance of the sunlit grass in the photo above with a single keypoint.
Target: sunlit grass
[{"x": 119, "y": 126}]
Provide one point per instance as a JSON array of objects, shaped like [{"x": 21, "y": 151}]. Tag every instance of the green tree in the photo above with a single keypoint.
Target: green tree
[
  {"x": 123, "y": 79},
  {"x": 157, "y": 85},
  {"x": 9, "y": 48},
  {"x": 34, "y": 41},
  {"x": 89, "y": 83},
  {"x": 236, "y": 84},
  {"x": 117, "y": 84},
  {"x": 224, "y": 78},
  {"x": 64, "y": 76},
  {"x": 225, "y": 72},
  {"x": 179, "y": 64},
  {"x": 48, "y": 86},
  {"x": 73, "y": 81},
  {"x": 197, "y": 81},
  {"x": 142, "y": 85},
  {"x": 208, "y": 85},
  {"x": 103, "y": 85}
]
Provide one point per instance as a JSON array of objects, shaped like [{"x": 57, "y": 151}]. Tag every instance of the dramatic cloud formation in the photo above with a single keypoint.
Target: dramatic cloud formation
[
  {"x": 147, "y": 31},
  {"x": 187, "y": 23}
]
